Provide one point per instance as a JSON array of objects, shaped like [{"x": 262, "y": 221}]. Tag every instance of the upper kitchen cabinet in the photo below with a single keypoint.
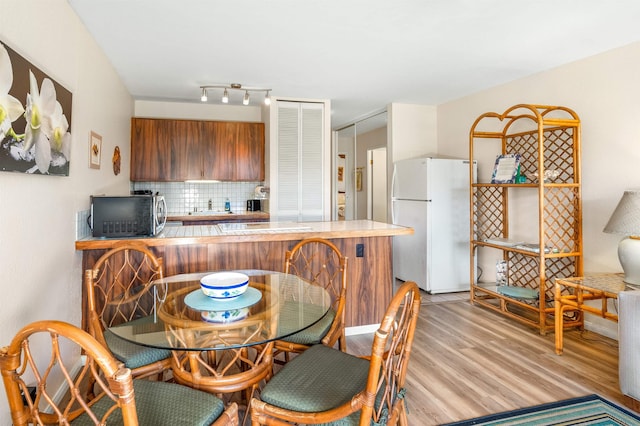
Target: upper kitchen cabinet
[
  {"x": 166, "y": 150},
  {"x": 234, "y": 151}
]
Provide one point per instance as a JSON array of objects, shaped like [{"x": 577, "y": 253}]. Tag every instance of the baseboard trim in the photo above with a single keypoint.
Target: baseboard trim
[
  {"x": 361, "y": 329},
  {"x": 63, "y": 389},
  {"x": 601, "y": 329}
]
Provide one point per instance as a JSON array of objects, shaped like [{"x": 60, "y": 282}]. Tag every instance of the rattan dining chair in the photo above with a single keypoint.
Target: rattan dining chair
[
  {"x": 325, "y": 385},
  {"x": 243, "y": 356},
  {"x": 117, "y": 398},
  {"x": 321, "y": 263},
  {"x": 119, "y": 289}
]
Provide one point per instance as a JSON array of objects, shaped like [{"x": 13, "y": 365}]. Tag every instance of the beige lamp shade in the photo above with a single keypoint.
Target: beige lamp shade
[{"x": 625, "y": 220}]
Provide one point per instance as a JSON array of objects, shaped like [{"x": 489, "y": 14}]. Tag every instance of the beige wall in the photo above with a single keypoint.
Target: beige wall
[
  {"x": 412, "y": 131},
  {"x": 603, "y": 91},
  {"x": 39, "y": 266}
]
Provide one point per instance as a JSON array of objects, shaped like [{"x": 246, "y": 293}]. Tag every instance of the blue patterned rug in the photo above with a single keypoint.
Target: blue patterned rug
[{"x": 589, "y": 410}]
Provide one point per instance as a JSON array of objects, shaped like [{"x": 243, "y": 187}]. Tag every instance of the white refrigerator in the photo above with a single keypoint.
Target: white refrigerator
[{"x": 431, "y": 195}]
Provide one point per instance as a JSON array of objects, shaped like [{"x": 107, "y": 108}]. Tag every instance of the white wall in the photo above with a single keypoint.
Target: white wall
[
  {"x": 39, "y": 267},
  {"x": 603, "y": 91},
  {"x": 198, "y": 111}
]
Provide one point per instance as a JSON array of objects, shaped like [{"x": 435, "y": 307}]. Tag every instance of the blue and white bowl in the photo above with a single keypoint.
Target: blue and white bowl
[
  {"x": 224, "y": 285},
  {"x": 229, "y": 315}
]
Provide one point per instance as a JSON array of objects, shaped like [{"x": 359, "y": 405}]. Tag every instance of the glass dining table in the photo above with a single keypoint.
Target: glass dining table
[
  {"x": 275, "y": 305},
  {"x": 224, "y": 347}
]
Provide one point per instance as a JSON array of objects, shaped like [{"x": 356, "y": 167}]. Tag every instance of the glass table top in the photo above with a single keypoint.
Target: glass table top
[
  {"x": 607, "y": 282},
  {"x": 275, "y": 305}
]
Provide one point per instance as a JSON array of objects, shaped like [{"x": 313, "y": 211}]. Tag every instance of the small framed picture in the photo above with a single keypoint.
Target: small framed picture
[
  {"x": 95, "y": 150},
  {"x": 506, "y": 168}
]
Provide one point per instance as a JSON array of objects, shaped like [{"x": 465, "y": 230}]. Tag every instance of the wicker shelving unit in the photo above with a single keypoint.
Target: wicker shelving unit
[{"x": 547, "y": 138}]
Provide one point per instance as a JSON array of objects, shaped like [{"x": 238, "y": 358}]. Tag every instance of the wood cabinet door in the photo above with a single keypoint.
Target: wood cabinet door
[
  {"x": 234, "y": 151},
  {"x": 186, "y": 150},
  {"x": 165, "y": 150},
  {"x": 177, "y": 150}
]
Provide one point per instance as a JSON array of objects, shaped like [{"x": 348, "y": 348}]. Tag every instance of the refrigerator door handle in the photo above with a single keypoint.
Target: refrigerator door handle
[
  {"x": 393, "y": 183},
  {"x": 393, "y": 212},
  {"x": 393, "y": 195}
]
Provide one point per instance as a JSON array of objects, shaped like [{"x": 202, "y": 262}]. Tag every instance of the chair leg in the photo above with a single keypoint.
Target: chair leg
[
  {"x": 342, "y": 342},
  {"x": 403, "y": 419}
]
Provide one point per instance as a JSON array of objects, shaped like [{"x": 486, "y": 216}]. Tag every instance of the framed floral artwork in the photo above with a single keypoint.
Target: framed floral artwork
[
  {"x": 35, "y": 118},
  {"x": 95, "y": 150}
]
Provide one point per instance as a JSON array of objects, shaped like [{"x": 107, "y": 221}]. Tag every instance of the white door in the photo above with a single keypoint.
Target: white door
[
  {"x": 300, "y": 162},
  {"x": 377, "y": 187}
]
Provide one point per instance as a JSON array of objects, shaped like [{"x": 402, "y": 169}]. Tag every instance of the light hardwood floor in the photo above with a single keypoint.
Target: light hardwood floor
[{"x": 468, "y": 361}]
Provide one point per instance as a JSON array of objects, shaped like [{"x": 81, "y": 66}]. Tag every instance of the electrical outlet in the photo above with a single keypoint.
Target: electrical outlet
[
  {"x": 32, "y": 394},
  {"x": 359, "y": 250}
]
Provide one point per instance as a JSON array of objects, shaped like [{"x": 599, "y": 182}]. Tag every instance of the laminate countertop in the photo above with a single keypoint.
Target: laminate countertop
[{"x": 253, "y": 232}]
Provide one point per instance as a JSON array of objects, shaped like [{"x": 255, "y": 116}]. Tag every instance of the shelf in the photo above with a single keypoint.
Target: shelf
[
  {"x": 547, "y": 138},
  {"x": 524, "y": 252},
  {"x": 526, "y": 185}
]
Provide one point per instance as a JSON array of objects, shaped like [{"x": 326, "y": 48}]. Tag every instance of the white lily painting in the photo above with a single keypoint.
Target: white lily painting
[{"x": 34, "y": 130}]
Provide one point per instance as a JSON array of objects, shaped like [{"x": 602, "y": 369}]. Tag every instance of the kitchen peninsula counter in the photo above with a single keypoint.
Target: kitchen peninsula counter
[
  {"x": 282, "y": 231},
  {"x": 367, "y": 244}
]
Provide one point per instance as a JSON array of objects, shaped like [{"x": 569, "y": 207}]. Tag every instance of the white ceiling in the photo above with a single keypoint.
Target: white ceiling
[{"x": 360, "y": 54}]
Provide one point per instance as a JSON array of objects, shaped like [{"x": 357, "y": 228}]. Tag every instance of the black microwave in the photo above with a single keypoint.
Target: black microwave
[{"x": 127, "y": 216}]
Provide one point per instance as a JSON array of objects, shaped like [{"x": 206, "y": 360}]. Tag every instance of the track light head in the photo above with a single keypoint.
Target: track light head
[{"x": 235, "y": 86}]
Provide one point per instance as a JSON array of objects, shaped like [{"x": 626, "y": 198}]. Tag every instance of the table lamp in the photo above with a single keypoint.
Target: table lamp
[{"x": 625, "y": 220}]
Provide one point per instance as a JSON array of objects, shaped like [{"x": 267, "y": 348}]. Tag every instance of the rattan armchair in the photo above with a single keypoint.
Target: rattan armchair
[
  {"x": 117, "y": 398},
  {"x": 321, "y": 263},
  {"x": 119, "y": 290},
  {"x": 325, "y": 385}
]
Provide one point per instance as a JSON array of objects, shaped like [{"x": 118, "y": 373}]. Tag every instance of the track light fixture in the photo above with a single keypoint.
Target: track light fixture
[{"x": 235, "y": 86}]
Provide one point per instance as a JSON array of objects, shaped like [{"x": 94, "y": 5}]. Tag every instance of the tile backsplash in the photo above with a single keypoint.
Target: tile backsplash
[
  {"x": 82, "y": 227},
  {"x": 184, "y": 197}
]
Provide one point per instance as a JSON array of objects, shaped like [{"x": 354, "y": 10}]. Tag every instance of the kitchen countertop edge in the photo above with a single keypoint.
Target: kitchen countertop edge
[{"x": 209, "y": 234}]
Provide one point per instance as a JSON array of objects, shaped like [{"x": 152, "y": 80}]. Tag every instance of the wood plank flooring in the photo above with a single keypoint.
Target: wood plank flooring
[{"x": 468, "y": 361}]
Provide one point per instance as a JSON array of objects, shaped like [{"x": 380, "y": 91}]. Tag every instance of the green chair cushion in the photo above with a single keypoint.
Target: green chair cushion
[
  {"x": 164, "y": 404},
  {"x": 131, "y": 354},
  {"x": 302, "y": 383},
  {"x": 311, "y": 335}
]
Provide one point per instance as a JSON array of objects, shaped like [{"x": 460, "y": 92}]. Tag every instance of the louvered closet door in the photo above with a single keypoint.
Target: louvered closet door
[{"x": 300, "y": 161}]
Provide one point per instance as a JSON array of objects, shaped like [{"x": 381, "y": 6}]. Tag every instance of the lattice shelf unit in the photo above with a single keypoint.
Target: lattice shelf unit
[{"x": 547, "y": 138}]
